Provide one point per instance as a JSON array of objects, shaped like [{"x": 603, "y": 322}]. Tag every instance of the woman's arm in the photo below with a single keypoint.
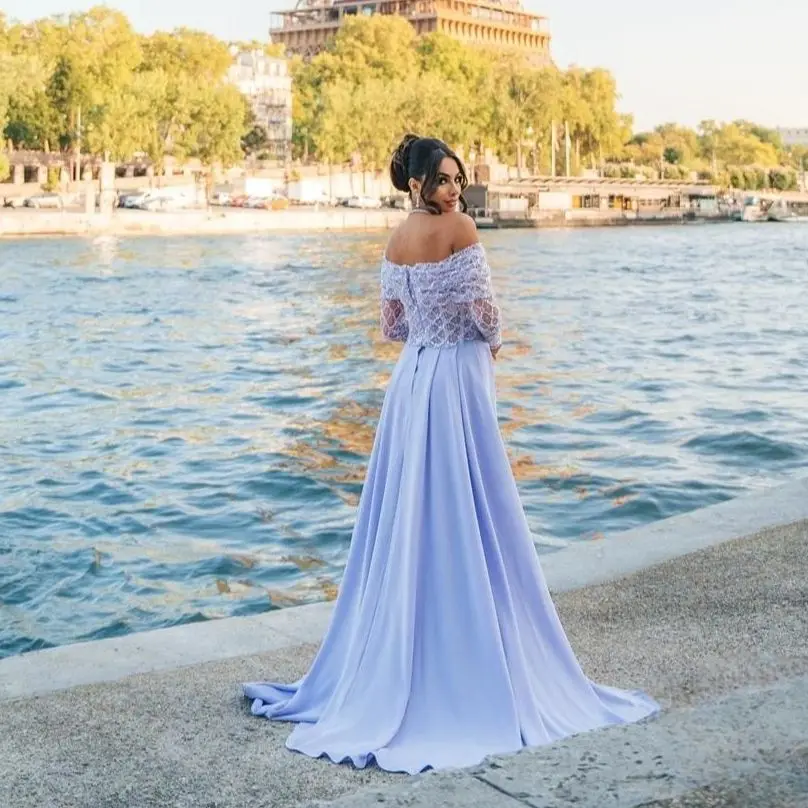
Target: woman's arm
[
  {"x": 394, "y": 321},
  {"x": 483, "y": 306}
]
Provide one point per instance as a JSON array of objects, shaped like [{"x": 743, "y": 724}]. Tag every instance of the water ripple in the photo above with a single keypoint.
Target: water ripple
[{"x": 184, "y": 423}]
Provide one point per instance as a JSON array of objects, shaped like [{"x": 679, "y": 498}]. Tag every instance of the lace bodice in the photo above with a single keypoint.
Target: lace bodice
[{"x": 440, "y": 303}]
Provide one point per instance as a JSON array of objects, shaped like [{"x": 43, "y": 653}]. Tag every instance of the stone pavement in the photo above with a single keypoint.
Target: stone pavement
[
  {"x": 719, "y": 636},
  {"x": 749, "y": 749}
]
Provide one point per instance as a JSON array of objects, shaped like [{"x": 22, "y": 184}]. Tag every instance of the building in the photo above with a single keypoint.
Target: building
[
  {"x": 502, "y": 24},
  {"x": 537, "y": 201},
  {"x": 794, "y": 136},
  {"x": 266, "y": 82}
]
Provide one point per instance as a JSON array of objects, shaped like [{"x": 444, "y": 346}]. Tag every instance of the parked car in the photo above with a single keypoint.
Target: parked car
[
  {"x": 274, "y": 202},
  {"x": 13, "y": 202},
  {"x": 318, "y": 196},
  {"x": 255, "y": 202},
  {"x": 45, "y": 200},
  {"x": 164, "y": 203},
  {"x": 221, "y": 198},
  {"x": 278, "y": 203},
  {"x": 134, "y": 200},
  {"x": 125, "y": 198},
  {"x": 397, "y": 202}
]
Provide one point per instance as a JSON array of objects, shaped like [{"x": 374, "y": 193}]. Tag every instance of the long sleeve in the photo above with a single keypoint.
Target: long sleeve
[
  {"x": 394, "y": 321},
  {"x": 485, "y": 313},
  {"x": 393, "y": 314},
  {"x": 477, "y": 292}
]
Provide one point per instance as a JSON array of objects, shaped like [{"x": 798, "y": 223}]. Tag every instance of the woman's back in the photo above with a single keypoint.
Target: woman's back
[
  {"x": 426, "y": 239},
  {"x": 436, "y": 287}
]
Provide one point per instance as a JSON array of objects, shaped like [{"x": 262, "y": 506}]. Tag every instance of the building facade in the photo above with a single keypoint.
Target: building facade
[
  {"x": 501, "y": 24},
  {"x": 266, "y": 82}
]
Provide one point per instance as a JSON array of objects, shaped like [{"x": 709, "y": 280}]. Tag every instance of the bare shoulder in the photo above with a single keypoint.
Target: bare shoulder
[
  {"x": 430, "y": 239},
  {"x": 392, "y": 241},
  {"x": 464, "y": 231}
]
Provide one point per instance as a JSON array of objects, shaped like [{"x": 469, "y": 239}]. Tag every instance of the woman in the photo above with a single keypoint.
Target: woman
[{"x": 444, "y": 645}]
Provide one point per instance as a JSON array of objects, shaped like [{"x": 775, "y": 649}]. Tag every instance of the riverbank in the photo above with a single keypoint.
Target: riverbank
[
  {"x": 601, "y": 218},
  {"x": 217, "y": 221},
  {"x": 716, "y": 630},
  {"x": 229, "y": 221}
]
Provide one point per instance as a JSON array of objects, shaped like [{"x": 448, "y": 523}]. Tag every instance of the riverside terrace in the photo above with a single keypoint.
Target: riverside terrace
[{"x": 709, "y": 611}]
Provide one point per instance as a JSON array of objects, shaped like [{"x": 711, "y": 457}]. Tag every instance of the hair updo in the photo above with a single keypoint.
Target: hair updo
[{"x": 419, "y": 158}]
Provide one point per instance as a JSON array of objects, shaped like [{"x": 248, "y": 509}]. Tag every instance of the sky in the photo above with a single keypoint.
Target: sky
[{"x": 682, "y": 61}]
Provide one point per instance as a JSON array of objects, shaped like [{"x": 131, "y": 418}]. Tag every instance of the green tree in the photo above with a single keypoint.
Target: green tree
[
  {"x": 449, "y": 73},
  {"x": 782, "y": 179},
  {"x": 97, "y": 52},
  {"x": 90, "y": 75},
  {"x": 115, "y": 132},
  {"x": 647, "y": 149},
  {"x": 681, "y": 144},
  {"x": 256, "y": 140},
  {"x": 215, "y": 125},
  {"x": 603, "y": 130},
  {"x": 515, "y": 101},
  {"x": 274, "y": 49},
  {"x": 334, "y": 137},
  {"x": 307, "y": 105},
  {"x": 736, "y": 144},
  {"x": 364, "y": 48},
  {"x": 190, "y": 111},
  {"x": 166, "y": 112},
  {"x": 185, "y": 52},
  {"x": 362, "y": 74},
  {"x": 545, "y": 109},
  {"x": 576, "y": 114},
  {"x": 377, "y": 120}
]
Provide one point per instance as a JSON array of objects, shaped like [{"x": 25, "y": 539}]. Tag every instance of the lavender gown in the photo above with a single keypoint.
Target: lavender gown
[{"x": 444, "y": 645}]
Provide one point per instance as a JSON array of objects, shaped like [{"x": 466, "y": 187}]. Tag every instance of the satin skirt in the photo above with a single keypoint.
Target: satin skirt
[{"x": 444, "y": 645}]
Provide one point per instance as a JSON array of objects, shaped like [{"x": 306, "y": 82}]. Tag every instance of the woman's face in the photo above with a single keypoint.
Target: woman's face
[{"x": 449, "y": 187}]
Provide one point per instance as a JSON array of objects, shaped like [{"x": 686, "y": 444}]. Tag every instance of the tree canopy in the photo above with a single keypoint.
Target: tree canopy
[
  {"x": 376, "y": 80},
  {"x": 91, "y": 74}
]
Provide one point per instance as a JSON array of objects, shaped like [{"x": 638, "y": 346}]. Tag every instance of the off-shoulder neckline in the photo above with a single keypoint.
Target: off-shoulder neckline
[{"x": 429, "y": 264}]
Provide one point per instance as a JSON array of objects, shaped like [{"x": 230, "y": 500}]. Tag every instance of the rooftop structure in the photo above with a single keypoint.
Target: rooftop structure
[{"x": 502, "y": 24}]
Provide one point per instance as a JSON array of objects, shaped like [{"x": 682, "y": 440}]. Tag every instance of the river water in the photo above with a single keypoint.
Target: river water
[{"x": 184, "y": 423}]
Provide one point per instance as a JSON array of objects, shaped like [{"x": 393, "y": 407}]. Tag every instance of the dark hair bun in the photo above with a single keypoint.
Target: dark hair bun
[{"x": 399, "y": 165}]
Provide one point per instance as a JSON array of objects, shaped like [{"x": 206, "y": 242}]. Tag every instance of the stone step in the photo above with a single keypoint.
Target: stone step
[{"x": 748, "y": 749}]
